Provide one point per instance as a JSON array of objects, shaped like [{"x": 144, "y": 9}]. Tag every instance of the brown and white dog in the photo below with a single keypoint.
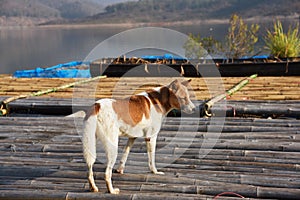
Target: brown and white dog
[{"x": 137, "y": 116}]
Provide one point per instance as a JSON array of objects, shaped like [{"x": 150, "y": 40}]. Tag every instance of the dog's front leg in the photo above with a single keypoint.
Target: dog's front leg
[
  {"x": 125, "y": 155},
  {"x": 151, "y": 146}
]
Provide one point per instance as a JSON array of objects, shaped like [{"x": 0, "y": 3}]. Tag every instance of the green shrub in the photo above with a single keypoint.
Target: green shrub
[{"x": 281, "y": 44}]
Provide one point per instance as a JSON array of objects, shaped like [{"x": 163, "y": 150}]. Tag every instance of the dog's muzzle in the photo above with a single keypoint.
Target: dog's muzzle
[{"x": 189, "y": 109}]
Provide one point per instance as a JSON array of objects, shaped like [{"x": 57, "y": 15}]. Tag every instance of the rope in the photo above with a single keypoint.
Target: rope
[
  {"x": 4, "y": 105},
  {"x": 228, "y": 193}
]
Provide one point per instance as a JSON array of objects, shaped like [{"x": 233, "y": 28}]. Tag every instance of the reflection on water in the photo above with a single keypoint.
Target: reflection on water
[{"x": 27, "y": 48}]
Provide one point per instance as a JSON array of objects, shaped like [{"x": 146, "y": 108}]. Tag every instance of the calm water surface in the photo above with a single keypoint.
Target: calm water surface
[{"x": 28, "y": 48}]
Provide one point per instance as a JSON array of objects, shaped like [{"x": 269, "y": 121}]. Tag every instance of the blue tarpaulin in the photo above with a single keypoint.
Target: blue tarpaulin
[
  {"x": 163, "y": 57},
  {"x": 74, "y": 69},
  {"x": 256, "y": 57},
  {"x": 172, "y": 57}
]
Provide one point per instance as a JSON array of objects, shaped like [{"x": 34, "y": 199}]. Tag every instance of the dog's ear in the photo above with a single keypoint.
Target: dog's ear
[
  {"x": 174, "y": 86},
  {"x": 186, "y": 83}
]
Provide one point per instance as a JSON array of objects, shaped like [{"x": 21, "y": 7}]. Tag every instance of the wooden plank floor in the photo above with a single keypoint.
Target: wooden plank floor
[
  {"x": 261, "y": 88},
  {"x": 257, "y": 158}
]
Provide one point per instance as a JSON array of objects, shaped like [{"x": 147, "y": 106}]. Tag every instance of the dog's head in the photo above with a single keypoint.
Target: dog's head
[{"x": 183, "y": 101}]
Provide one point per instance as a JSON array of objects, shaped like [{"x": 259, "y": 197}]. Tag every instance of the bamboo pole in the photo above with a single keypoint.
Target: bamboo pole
[
  {"x": 260, "y": 109},
  {"x": 4, "y": 108},
  {"x": 31, "y": 195},
  {"x": 208, "y": 105}
]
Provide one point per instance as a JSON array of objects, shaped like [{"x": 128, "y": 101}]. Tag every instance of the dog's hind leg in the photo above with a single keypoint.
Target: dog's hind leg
[
  {"x": 111, "y": 153},
  {"x": 110, "y": 144},
  {"x": 93, "y": 186},
  {"x": 125, "y": 155},
  {"x": 89, "y": 148}
]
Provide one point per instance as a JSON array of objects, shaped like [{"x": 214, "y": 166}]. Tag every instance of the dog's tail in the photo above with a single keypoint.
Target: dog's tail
[{"x": 89, "y": 134}]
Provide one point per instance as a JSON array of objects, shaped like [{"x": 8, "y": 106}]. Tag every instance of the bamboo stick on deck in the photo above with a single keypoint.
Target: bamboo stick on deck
[
  {"x": 208, "y": 105},
  {"x": 4, "y": 109}
]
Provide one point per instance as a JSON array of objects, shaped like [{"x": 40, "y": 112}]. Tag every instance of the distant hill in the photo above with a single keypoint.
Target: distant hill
[
  {"x": 32, "y": 12},
  {"x": 49, "y": 8},
  {"x": 110, "y": 2},
  {"x": 181, "y": 10}
]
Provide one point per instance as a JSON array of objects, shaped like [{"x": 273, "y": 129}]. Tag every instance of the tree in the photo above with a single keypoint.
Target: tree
[
  {"x": 197, "y": 47},
  {"x": 240, "y": 39}
]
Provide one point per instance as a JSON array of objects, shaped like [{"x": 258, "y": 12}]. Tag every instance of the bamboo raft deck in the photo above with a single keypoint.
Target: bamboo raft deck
[
  {"x": 264, "y": 96},
  {"x": 261, "y": 88},
  {"x": 41, "y": 158}
]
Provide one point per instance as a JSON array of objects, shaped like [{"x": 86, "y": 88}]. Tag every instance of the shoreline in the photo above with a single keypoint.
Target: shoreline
[{"x": 149, "y": 24}]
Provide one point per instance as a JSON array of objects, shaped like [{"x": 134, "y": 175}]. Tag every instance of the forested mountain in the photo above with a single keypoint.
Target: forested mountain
[
  {"x": 49, "y": 8},
  {"x": 110, "y": 11},
  {"x": 174, "y": 10}
]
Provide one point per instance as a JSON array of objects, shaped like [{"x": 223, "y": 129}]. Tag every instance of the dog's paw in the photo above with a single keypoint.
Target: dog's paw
[
  {"x": 120, "y": 170},
  {"x": 159, "y": 173},
  {"x": 115, "y": 191},
  {"x": 94, "y": 189},
  {"x": 154, "y": 171}
]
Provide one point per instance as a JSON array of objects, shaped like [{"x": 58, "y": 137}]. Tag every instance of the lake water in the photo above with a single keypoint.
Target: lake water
[{"x": 28, "y": 48}]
